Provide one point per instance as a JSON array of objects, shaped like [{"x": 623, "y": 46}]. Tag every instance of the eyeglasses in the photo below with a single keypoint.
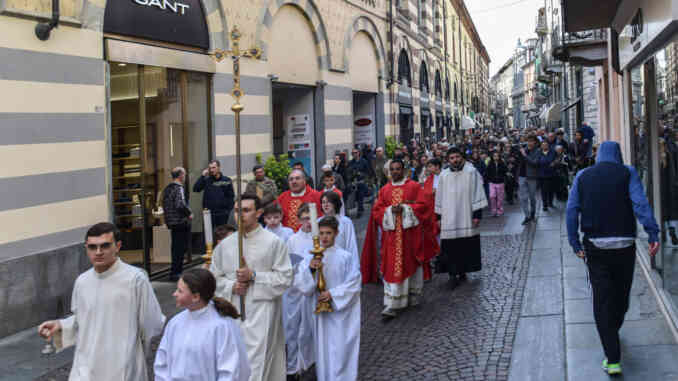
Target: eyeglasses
[
  {"x": 102, "y": 247},
  {"x": 305, "y": 219}
]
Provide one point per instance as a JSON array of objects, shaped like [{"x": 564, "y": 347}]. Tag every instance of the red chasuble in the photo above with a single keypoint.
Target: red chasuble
[
  {"x": 430, "y": 226},
  {"x": 290, "y": 205},
  {"x": 401, "y": 252}
]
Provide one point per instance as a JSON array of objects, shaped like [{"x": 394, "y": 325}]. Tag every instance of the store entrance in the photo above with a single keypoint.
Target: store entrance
[
  {"x": 160, "y": 120},
  {"x": 293, "y": 121}
]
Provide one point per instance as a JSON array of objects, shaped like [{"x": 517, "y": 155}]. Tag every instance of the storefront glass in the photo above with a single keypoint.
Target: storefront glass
[{"x": 167, "y": 129}]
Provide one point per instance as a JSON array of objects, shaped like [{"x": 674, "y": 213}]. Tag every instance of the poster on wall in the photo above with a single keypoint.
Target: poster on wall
[
  {"x": 299, "y": 140},
  {"x": 363, "y": 130}
]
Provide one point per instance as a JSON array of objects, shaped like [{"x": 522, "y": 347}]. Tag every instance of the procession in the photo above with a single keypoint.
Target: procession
[{"x": 338, "y": 190}]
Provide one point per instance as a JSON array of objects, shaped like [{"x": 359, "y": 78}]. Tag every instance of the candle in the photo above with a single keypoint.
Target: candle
[
  {"x": 207, "y": 220},
  {"x": 314, "y": 219}
]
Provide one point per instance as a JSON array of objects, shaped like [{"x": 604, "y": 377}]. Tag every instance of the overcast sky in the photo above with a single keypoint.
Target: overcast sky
[{"x": 500, "y": 23}]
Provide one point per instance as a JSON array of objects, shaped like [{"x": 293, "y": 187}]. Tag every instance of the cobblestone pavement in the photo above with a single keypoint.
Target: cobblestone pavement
[{"x": 463, "y": 334}]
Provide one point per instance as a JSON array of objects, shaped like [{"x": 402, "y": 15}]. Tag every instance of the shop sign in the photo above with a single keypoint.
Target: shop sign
[
  {"x": 173, "y": 6},
  {"x": 644, "y": 27},
  {"x": 180, "y": 22},
  {"x": 363, "y": 132}
]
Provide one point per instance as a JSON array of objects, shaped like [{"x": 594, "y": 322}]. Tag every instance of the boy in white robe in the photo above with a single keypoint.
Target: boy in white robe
[
  {"x": 262, "y": 282},
  {"x": 298, "y": 308},
  {"x": 115, "y": 315},
  {"x": 203, "y": 342},
  {"x": 273, "y": 217},
  {"x": 337, "y": 333}
]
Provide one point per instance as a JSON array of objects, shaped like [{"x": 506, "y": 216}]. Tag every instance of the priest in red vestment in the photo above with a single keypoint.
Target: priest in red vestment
[
  {"x": 398, "y": 212},
  {"x": 430, "y": 227},
  {"x": 300, "y": 193}
]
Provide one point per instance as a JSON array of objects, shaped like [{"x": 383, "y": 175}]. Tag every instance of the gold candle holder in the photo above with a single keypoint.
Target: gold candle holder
[
  {"x": 318, "y": 254},
  {"x": 208, "y": 254}
]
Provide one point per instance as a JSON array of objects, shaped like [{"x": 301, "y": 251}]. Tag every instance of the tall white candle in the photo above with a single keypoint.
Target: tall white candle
[
  {"x": 207, "y": 220},
  {"x": 314, "y": 219}
]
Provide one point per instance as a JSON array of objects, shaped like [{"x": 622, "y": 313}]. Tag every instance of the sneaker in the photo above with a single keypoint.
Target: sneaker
[
  {"x": 526, "y": 221},
  {"x": 612, "y": 369},
  {"x": 389, "y": 313}
]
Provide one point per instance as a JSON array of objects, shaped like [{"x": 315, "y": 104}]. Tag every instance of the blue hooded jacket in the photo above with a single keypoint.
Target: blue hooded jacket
[{"x": 610, "y": 152}]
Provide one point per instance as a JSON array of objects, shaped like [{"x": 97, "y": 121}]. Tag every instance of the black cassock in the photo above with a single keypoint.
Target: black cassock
[{"x": 459, "y": 256}]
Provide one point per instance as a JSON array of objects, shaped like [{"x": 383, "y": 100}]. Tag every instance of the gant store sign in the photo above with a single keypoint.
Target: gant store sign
[
  {"x": 180, "y": 22},
  {"x": 165, "y": 5}
]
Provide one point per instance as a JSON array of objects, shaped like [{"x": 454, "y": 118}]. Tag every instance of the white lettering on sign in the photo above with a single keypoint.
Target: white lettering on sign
[{"x": 173, "y": 6}]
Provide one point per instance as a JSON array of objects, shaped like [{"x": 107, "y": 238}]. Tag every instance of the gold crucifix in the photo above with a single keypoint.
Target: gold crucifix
[{"x": 237, "y": 108}]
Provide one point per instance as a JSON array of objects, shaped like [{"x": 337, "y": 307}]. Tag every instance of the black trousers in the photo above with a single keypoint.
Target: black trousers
[
  {"x": 181, "y": 234},
  {"x": 510, "y": 189},
  {"x": 546, "y": 186},
  {"x": 611, "y": 274}
]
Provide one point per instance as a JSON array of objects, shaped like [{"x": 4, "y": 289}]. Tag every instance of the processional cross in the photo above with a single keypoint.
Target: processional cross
[{"x": 235, "y": 53}]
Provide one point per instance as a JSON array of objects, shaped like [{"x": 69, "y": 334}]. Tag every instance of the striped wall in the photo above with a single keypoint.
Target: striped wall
[
  {"x": 52, "y": 137},
  {"x": 338, "y": 119},
  {"x": 255, "y": 122}
]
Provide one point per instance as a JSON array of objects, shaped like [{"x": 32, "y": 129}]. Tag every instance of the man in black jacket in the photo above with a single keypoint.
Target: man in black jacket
[
  {"x": 178, "y": 218},
  {"x": 219, "y": 194}
]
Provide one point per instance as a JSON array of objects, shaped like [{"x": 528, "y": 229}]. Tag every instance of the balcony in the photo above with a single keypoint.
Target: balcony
[
  {"x": 588, "y": 48},
  {"x": 541, "y": 28}
]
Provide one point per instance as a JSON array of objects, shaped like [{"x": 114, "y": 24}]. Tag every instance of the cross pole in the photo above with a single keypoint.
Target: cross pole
[{"x": 237, "y": 93}]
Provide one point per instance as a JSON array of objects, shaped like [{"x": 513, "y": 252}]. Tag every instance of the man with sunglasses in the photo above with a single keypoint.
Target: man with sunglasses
[{"x": 115, "y": 314}]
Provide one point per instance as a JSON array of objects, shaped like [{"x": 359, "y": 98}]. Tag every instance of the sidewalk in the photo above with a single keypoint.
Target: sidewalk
[{"x": 557, "y": 337}]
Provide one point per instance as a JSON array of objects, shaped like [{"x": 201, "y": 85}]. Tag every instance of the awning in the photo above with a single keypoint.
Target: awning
[
  {"x": 467, "y": 123},
  {"x": 551, "y": 113},
  {"x": 574, "y": 103}
]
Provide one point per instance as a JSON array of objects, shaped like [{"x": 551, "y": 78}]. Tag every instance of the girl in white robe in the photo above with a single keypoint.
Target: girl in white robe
[
  {"x": 337, "y": 333},
  {"x": 203, "y": 342},
  {"x": 346, "y": 238}
]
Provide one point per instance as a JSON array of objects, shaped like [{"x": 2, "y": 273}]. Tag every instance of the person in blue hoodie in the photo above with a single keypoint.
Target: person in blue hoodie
[{"x": 608, "y": 198}]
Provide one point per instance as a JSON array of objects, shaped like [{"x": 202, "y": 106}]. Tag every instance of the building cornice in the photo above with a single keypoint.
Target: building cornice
[{"x": 465, "y": 16}]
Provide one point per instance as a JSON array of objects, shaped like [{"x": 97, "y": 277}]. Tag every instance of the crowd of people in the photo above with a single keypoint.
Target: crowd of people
[{"x": 254, "y": 317}]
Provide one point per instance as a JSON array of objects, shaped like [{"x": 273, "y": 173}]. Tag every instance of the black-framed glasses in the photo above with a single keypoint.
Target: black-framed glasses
[{"x": 95, "y": 247}]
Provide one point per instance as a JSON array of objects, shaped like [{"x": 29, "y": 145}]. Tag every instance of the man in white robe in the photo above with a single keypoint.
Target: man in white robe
[
  {"x": 115, "y": 315},
  {"x": 459, "y": 201},
  {"x": 298, "y": 308},
  {"x": 337, "y": 333},
  {"x": 268, "y": 273}
]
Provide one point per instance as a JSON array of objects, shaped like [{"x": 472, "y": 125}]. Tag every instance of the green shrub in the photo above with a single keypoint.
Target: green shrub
[
  {"x": 276, "y": 169},
  {"x": 391, "y": 145}
]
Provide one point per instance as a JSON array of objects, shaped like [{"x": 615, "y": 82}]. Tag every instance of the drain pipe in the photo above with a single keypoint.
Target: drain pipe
[{"x": 43, "y": 29}]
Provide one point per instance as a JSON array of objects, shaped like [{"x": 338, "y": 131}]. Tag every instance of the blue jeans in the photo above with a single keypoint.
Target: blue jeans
[{"x": 361, "y": 191}]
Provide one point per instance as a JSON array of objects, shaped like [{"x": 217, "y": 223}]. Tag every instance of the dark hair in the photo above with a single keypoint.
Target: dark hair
[
  {"x": 215, "y": 161},
  {"x": 532, "y": 137},
  {"x": 223, "y": 231},
  {"x": 298, "y": 163},
  {"x": 435, "y": 161},
  {"x": 334, "y": 199},
  {"x": 257, "y": 167},
  {"x": 329, "y": 222},
  {"x": 454, "y": 150},
  {"x": 202, "y": 282},
  {"x": 252, "y": 196},
  {"x": 397, "y": 160},
  {"x": 304, "y": 208},
  {"x": 273, "y": 208},
  {"x": 176, "y": 173},
  {"x": 103, "y": 228}
]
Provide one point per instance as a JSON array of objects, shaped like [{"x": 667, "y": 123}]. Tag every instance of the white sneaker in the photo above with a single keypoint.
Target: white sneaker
[{"x": 389, "y": 312}]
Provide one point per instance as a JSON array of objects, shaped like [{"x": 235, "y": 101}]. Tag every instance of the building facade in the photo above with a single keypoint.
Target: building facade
[{"x": 97, "y": 113}]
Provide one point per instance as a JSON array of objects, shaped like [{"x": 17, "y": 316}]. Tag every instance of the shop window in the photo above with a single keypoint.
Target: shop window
[{"x": 404, "y": 77}]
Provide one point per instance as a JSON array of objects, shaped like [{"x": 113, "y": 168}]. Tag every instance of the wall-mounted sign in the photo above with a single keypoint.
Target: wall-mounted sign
[
  {"x": 180, "y": 22},
  {"x": 173, "y": 6},
  {"x": 363, "y": 132}
]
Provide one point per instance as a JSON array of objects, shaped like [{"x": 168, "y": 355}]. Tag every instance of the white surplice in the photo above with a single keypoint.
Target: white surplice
[
  {"x": 346, "y": 238},
  {"x": 283, "y": 232},
  {"x": 202, "y": 345},
  {"x": 298, "y": 311},
  {"x": 266, "y": 254},
  {"x": 460, "y": 193},
  {"x": 115, "y": 315},
  {"x": 337, "y": 333}
]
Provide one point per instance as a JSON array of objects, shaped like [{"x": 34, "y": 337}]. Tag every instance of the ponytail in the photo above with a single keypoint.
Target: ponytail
[{"x": 225, "y": 308}]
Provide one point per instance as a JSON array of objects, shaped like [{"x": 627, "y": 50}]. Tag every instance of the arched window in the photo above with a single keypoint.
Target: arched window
[
  {"x": 438, "y": 85},
  {"x": 423, "y": 79},
  {"x": 404, "y": 77}
]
